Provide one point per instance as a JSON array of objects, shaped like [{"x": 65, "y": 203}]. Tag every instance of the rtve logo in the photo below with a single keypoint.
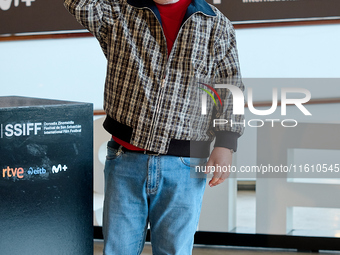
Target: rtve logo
[
  {"x": 13, "y": 172},
  {"x": 20, "y": 129}
]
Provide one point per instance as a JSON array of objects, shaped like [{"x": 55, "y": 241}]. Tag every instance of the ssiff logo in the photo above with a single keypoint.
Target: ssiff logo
[{"x": 20, "y": 129}]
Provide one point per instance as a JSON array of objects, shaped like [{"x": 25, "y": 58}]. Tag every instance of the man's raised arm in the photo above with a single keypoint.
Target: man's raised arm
[{"x": 95, "y": 15}]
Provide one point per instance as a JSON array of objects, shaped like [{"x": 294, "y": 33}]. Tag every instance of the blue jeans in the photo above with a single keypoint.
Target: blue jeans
[{"x": 160, "y": 190}]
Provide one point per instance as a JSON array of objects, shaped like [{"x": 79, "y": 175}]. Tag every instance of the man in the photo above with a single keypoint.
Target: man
[{"x": 155, "y": 50}]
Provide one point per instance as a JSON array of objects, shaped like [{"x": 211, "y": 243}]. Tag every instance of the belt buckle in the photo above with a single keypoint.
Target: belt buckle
[{"x": 151, "y": 153}]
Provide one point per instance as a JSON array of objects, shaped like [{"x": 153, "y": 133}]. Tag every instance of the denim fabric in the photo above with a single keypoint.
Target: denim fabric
[{"x": 160, "y": 190}]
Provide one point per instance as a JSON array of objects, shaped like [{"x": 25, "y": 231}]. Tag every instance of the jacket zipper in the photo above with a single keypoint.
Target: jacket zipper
[
  {"x": 158, "y": 103},
  {"x": 160, "y": 93},
  {"x": 151, "y": 138}
]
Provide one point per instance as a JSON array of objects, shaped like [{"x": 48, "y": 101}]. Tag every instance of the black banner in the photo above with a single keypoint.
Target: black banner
[
  {"x": 38, "y": 16},
  {"x": 259, "y": 11},
  {"x": 31, "y": 16}
]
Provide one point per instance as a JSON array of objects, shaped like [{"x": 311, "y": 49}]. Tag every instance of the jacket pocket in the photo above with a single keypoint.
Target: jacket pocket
[{"x": 193, "y": 162}]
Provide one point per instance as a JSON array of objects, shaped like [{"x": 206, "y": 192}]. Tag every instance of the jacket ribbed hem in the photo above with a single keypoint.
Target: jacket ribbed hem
[{"x": 179, "y": 148}]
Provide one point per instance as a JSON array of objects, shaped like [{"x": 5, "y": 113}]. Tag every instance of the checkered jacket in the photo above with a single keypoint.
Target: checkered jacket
[{"x": 147, "y": 93}]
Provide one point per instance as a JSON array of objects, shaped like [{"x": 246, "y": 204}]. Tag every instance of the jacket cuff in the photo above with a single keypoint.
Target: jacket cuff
[{"x": 226, "y": 139}]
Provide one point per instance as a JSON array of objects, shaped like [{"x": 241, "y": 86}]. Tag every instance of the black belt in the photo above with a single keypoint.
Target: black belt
[
  {"x": 114, "y": 145},
  {"x": 179, "y": 148}
]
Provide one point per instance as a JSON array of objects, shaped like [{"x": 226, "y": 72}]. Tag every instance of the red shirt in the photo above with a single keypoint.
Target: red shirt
[{"x": 172, "y": 16}]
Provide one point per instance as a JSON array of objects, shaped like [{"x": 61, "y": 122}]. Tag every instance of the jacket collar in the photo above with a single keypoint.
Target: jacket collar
[{"x": 195, "y": 6}]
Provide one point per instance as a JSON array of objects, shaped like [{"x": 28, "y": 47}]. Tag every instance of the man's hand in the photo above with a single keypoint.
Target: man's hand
[{"x": 221, "y": 157}]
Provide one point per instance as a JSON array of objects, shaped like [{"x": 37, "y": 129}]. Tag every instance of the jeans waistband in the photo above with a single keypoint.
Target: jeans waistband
[{"x": 177, "y": 148}]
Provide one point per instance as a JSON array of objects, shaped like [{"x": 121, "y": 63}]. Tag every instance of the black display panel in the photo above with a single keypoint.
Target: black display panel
[
  {"x": 35, "y": 16},
  {"x": 50, "y": 16},
  {"x": 46, "y": 177}
]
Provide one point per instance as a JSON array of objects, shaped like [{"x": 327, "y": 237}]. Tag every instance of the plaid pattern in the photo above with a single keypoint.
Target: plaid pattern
[{"x": 145, "y": 89}]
